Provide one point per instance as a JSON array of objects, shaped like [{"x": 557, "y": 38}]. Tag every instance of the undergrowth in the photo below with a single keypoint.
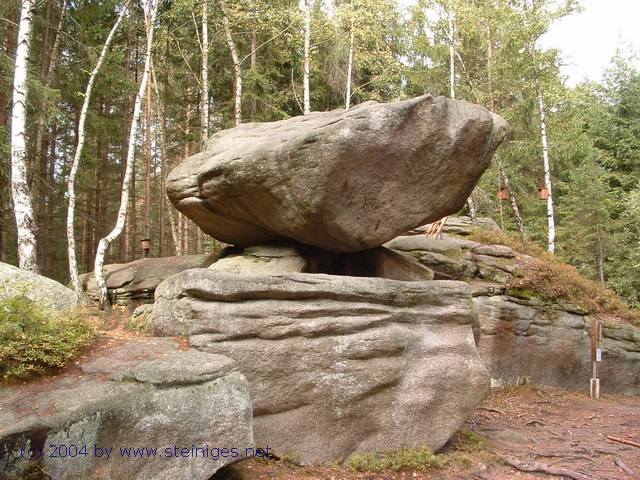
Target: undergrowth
[
  {"x": 34, "y": 340},
  {"x": 548, "y": 277},
  {"x": 404, "y": 459}
]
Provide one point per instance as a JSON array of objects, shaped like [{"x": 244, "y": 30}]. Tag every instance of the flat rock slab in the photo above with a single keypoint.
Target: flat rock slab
[
  {"x": 42, "y": 290},
  {"x": 459, "y": 259},
  {"x": 340, "y": 180},
  {"x": 149, "y": 394},
  {"x": 336, "y": 365},
  {"x": 135, "y": 282}
]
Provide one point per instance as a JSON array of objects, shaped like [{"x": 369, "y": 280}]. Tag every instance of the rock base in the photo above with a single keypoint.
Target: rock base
[{"x": 336, "y": 365}]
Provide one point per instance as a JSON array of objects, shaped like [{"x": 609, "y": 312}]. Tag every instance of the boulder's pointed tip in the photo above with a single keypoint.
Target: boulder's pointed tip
[{"x": 500, "y": 128}]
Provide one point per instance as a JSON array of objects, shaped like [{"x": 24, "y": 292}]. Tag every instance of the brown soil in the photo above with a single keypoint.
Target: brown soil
[{"x": 552, "y": 428}]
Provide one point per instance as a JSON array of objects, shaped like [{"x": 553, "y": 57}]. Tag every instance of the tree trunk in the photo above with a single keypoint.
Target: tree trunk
[
  {"x": 237, "y": 70},
  {"x": 20, "y": 192},
  {"x": 125, "y": 240},
  {"x": 147, "y": 163},
  {"x": 601, "y": 259},
  {"x": 164, "y": 200},
  {"x": 512, "y": 199},
  {"x": 71, "y": 242},
  {"x": 347, "y": 102},
  {"x": 452, "y": 52},
  {"x": 307, "y": 58},
  {"x": 471, "y": 204},
  {"x": 254, "y": 64},
  {"x": 124, "y": 199},
  {"x": 547, "y": 171},
  {"x": 85, "y": 231},
  {"x": 204, "y": 95},
  {"x": 47, "y": 74}
]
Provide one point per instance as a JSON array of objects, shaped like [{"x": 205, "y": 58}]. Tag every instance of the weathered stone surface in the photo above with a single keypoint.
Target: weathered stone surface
[
  {"x": 459, "y": 259},
  {"x": 531, "y": 341},
  {"x": 269, "y": 260},
  {"x": 461, "y": 226},
  {"x": 527, "y": 340},
  {"x": 337, "y": 365},
  {"x": 135, "y": 282},
  {"x": 339, "y": 180},
  {"x": 147, "y": 393},
  {"x": 42, "y": 290}
]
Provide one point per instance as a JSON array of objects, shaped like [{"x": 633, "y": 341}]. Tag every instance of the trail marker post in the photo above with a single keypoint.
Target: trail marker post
[{"x": 596, "y": 356}]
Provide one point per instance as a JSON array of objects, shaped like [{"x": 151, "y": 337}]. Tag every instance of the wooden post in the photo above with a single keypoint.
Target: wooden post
[{"x": 596, "y": 356}]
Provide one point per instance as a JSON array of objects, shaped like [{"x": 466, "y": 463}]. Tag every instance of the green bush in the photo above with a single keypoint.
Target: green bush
[
  {"x": 34, "y": 340},
  {"x": 404, "y": 459}
]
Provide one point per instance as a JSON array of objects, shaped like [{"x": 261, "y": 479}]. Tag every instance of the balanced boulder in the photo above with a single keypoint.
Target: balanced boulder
[{"x": 340, "y": 180}]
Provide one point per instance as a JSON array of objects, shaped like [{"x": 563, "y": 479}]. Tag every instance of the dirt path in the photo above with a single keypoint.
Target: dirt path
[{"x": 555, "y": 429}]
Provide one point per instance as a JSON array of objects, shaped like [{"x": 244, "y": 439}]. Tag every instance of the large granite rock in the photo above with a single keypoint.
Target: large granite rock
[
  {"x": 42, "y": 290},
  {"x": 145, "y": 394},
  {"x": 133, "y": 283},
  {"x": 336, "y": 365},
  {"x": 340, "y": 180}
]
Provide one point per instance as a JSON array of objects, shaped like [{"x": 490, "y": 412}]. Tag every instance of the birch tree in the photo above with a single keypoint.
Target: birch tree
[
  {"x": 22, "y": 203},
  {"x": 237, "y": 67},
  {"x": 204, "y": 82},
  {"x": 352, "y": 35},
  {"x": 551, "y": 223},
  {"x": 71, "y": 184},
  {"x": 544, "y": 139},
  {"x": 452, "y": 51},
  {"x": 150, "y": 17},
  {"x": 307, "y": 58}
]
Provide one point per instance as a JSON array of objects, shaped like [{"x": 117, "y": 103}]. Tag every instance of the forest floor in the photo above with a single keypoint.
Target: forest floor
[{"x": 528, "y": 427}]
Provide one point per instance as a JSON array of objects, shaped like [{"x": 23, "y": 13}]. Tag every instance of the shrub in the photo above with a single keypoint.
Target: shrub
[
  {"x": 34, "y": 340},
  {"x": 404, "y": 459},
  {"x": 469, "y": 441}
]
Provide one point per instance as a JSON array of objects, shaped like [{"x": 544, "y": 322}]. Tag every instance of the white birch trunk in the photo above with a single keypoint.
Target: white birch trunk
[
  {"x": 307, "y": 58},
  {"x": 204, "y": 109},
  {"x": 471, "y": 204},
  {"x": 551, "y": 247},
  {"x": 347, "y": 102},
  {"x": 23, "y": 207},
  {"x": 237, "y": 70},
  {"x": 124, "y": 198},
  {"x": 71, "y": 242},
  {"x": 452, "y": 53}
]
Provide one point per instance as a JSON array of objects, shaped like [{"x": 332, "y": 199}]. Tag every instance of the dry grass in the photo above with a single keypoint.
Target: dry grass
[{"x": 544, "y": 275}]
